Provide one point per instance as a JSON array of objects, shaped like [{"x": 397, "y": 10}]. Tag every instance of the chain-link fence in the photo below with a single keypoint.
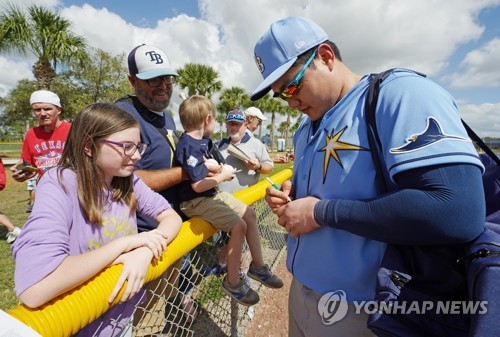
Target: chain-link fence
[{"x": 194, "y": 304}]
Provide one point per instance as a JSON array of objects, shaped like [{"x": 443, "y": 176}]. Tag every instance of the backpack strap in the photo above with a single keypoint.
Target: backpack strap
[
  {"x": 171, "y": 138},
  {"x": 479, "y": 142}
]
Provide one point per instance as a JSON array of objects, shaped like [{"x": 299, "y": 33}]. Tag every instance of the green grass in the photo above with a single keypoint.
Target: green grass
[
  {"x": 14, "y": 201},
  {"x": 10, "y": 150}
]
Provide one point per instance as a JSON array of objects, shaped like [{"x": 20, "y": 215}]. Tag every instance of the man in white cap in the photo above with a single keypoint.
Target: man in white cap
[
  {"x": 43, "y": 145},
  {"x": 255, "y": 117}
]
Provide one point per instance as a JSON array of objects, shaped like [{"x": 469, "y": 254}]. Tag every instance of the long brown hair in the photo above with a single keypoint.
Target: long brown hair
[{"x": 90, "y": 127}]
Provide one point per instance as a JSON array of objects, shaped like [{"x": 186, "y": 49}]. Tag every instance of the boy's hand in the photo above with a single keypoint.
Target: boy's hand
[{"x": 228, "y": 172}]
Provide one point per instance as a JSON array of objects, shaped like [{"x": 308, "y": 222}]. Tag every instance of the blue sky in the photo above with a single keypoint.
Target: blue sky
[{"x": 455, "y": 42}]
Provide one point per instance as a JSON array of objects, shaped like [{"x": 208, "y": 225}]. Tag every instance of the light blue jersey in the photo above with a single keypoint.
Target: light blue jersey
[{"x": 418, "y": 124}]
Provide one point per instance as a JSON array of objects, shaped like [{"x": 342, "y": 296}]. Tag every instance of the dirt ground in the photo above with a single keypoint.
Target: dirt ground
[{"x": 271, "y": 315}]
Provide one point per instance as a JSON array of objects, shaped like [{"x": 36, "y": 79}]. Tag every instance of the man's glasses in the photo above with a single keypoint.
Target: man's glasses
[
  {"x": 295, "y": 84},
  {"x": 129, "y": 148},
  {"x": 157, "y": 81}
]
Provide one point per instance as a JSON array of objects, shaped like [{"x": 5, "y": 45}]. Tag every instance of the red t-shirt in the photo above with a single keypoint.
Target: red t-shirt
[{"x": 44, "y": 149}]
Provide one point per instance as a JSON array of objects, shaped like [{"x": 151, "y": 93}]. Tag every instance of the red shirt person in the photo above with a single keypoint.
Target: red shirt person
[{"x": 43, "y": 145}]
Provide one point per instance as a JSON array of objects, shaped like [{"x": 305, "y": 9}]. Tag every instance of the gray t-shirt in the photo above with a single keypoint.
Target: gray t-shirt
[{"x": 246, "y": 178}]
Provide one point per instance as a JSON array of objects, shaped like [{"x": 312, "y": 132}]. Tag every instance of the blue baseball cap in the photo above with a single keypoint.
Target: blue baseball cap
[
  {"x": 147, "y": 62},
  {"x": 280, "y": 46},
  {"x": 236, "y": 116}
]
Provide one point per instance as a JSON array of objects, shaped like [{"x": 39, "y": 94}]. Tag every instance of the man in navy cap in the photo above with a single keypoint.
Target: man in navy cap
[{"x": 152, "y": 78}]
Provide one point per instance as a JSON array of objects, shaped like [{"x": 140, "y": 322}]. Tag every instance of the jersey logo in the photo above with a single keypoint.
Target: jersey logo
[
  {"x": 334, "y": 144},
  {"x": 432, "y": 134},
  {"x": 192, "y": 161}
]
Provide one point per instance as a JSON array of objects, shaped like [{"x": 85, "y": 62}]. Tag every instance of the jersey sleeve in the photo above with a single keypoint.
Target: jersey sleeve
[
  {"x": 191, "y": 160},
  {"x": 419, "y": 125}
]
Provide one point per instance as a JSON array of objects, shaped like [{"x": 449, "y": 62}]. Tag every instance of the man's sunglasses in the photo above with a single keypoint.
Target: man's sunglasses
[{"x": 295, "y": 84}]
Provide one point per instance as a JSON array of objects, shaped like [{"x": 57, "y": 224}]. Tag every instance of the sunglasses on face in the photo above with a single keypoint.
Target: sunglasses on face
[
  {"x": 295, "y": 84},
  {"x": 235, "y": 117},
  {"x": 157, "y": 81},
  {"x": 129, "y": 148}
]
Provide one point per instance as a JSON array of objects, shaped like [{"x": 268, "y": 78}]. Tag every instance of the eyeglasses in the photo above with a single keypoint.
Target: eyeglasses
[
  {"x": 294, "y": 84},
  {"x": 157, "y": 81},
  {"x": 129, "y": 148},
  {"x": 235, "y": 117}
]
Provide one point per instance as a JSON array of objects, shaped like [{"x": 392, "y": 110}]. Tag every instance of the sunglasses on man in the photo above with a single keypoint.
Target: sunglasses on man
[{"x": 295, "y": 84}]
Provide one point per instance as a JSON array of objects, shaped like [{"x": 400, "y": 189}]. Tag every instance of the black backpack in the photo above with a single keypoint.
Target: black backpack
[{"x": 468, "y": 275}]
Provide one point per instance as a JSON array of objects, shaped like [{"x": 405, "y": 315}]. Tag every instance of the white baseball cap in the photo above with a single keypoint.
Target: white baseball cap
[
  {"x": 45, "y": 96},
  {"x": 253, "y": 111},
  {"x": 146, "y": 62}
]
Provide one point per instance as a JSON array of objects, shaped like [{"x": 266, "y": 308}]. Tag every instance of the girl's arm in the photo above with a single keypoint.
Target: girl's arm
[
  {"x": 169, "y": 224},
  {"x": 75, "y": 270},
  {"x": 136, "y": 262}
]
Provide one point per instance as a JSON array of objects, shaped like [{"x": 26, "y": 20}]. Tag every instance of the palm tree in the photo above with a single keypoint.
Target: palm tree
[
  {"x": 290, "y": 113},
  {"x": 199, "y": 79},
  {"x": 40, "y": 32},
  {"x": 272, "y": 106}
]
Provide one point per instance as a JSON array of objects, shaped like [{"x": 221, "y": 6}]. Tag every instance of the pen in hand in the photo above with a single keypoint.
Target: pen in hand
[{"x": 277, "y": 187}]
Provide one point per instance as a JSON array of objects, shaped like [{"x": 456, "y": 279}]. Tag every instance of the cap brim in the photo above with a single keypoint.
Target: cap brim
[
  {"x": 265, "y": 86},
  {"x": 147, "y": 75}
]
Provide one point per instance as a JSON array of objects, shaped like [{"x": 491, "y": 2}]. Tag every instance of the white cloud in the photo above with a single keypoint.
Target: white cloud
[
  {"x": 482, "y": 118},
  {"x": 13, "y": 72},
  {"x": 480, "y": 66}
]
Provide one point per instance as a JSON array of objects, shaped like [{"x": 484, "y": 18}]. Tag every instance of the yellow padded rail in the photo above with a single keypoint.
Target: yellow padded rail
[{"x": 68, "y": 313}]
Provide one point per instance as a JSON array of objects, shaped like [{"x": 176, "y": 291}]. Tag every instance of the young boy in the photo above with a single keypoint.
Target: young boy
[{"x": 200, "y": 198}]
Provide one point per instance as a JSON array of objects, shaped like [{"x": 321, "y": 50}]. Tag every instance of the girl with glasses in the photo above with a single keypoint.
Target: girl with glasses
[{"x": 85, "y": 218}]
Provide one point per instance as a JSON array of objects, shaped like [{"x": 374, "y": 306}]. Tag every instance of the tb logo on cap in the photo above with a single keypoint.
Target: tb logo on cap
[{"x": 154, "y": 57}]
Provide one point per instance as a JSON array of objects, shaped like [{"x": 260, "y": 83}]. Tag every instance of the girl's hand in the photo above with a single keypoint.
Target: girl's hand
[
  {"x": 155, "y": 240},
  {"x": 135, "y": 266}
]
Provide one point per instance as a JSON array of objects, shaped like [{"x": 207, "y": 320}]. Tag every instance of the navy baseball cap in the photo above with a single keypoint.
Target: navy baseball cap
[
  {"x": 146, "y": 62},
  {"x": 236, "y": 116},
  {"x": 280, "y": 46}
]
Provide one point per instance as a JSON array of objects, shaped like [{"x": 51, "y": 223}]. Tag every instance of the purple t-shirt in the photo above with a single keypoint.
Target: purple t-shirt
[{"x": 57, "y": 228}]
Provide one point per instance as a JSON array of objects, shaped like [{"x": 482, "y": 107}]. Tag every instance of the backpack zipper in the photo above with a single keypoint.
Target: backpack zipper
[{"x": 481, "y": 253}]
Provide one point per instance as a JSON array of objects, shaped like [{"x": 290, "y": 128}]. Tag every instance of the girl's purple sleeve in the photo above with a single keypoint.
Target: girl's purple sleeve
[
  {"x": 44, "y": 241},
  {"x": 149, "y": 202}
]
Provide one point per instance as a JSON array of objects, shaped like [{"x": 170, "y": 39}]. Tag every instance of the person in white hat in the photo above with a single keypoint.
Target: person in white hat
[
  {"x": 255, "y": 117},
  {"x": 43, "y": 145}
]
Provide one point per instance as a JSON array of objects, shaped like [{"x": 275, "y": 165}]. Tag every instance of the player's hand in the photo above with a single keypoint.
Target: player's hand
[
  {"x": 135, "y": 266},
  {"x": 297, "y": 216},
  {"x": 19, "y": 175},
  {"x": 276, "y": 198}
]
